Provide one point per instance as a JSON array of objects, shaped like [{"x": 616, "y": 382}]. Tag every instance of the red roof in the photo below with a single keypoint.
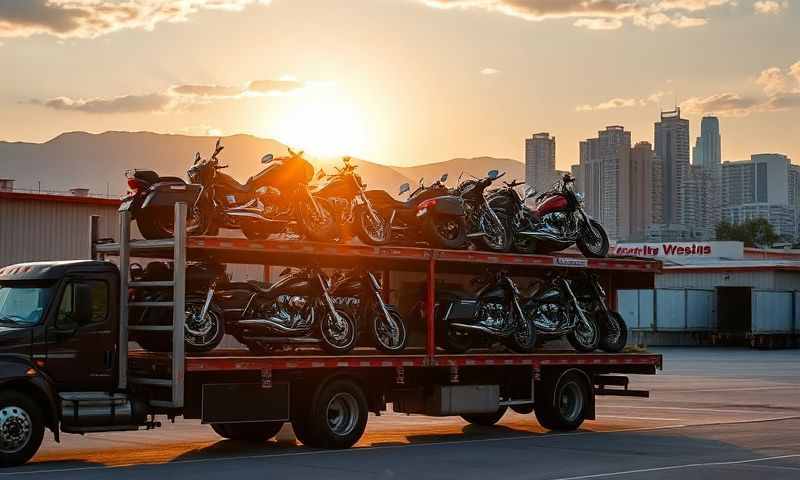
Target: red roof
[{"x": 46, "y": 197}]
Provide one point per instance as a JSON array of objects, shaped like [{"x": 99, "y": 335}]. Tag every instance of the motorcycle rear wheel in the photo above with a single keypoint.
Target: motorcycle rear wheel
[
  {"x": 445, "y": 232},
  {"x": 598, "y": 248}
]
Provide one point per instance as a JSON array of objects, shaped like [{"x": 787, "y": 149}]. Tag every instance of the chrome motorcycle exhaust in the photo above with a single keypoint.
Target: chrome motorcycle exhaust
[{"x": 267, "y": 323}]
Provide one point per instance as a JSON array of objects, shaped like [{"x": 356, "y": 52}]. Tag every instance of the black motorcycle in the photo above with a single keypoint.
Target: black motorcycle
[
  {"x": 431, "y": 215},
  {"x": 488, "y": 229},
  {"x": 276, "y": 200},
  {"x": 360, "y": 293},
  {"x": 494, "y": 313},
  {"x": 204, "y": 324},
  {"x": 510, "y": 206},
  {"x": 351, "y": 204},
  {"x": 574, "y": 307},
  {"x": 296, "y": 309}
]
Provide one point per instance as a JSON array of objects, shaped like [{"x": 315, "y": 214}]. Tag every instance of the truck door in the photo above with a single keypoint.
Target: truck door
[{"x": 80, "y": 338}]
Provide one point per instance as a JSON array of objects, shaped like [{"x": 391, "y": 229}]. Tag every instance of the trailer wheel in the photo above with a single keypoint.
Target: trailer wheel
[
  {"x": 21, "y": 428},
  {"x": 338, "y": 415},
  {"x": 563, "y": 402},
  {"x": 247, "y": 432},
  {"x": 485, "y": 419}
]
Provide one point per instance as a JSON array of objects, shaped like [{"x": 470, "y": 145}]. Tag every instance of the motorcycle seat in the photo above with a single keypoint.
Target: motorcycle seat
[{"x": 257, "y": 179}]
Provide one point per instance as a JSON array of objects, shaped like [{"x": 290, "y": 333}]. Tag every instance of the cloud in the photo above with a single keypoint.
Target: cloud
[
  {"x": 770, "y": 7},
  {"x": 176, "y": 97},
  {"x": 489, "y": 71},
  {"x": 595, "y": 14},
  {"x": 615, "y": 103},
  {"x": 154, "y": 102},
  {"x": 722, "y": 105},
  {"x": 66, "y": 19}
]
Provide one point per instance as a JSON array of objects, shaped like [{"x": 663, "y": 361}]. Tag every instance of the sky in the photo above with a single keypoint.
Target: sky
[{"x": 403, "y": 81}]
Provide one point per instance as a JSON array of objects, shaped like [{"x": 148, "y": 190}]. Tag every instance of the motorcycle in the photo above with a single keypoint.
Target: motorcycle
[
  {"x": 557, "y": 222},
  {"x": 351, "y": 204},
  {"x": 488, "y": 229},
  {"x": 360, "y": 293},
  {"x": 204, "y": 324},
  {"x": 556, "y": 311},
  {"x": 296, "y": 309},
  {"x": 275, "y": 200},
  {"x": 431, "y": 214},
  {"x": 493, "y": 313}
]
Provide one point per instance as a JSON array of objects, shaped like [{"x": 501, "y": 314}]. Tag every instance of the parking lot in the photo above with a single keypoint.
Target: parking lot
[{"x": 713, "y": 413}]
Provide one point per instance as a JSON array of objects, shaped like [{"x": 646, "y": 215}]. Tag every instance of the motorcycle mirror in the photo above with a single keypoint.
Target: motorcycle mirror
[
  {"x": 404, "y": 188},
  {"x": 443, "y": 178},
  {"x": 320, "y": 174},
  {"x": 530, "y": 192},
  {"x": 493, "y": 174},
  {"x": 266, "y": 158}
]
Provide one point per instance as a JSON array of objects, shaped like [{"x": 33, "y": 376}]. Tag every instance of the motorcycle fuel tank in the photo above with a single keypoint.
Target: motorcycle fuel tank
[{"x": 552, "y": 204}]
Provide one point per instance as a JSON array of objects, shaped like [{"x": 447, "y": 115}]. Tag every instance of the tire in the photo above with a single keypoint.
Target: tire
[
  {"x": 582, "y": 339},
  {"x": 363, "y": 222},
  {"x": 338, "y": 415},
  {"x": 254, "y": 432},
  {"x": 600, "y": 248},
  {"x": 484, "y": 243},
  {"x": 379, "y": 331},
  {"x": 524, "y": 341},
  {"x": 456, "y": 239},
  {"x": 21, "y": 428},
  {"x": 485, "y": 419},
  {"x": 162, "y": 341},
  {"x": 322, "y": 229},
  {"x": 563, "y": 406},
  {"x": 613, "y": 333},
  {"x": 155, "y": 223},
  {"x": 339, "y": 339}
]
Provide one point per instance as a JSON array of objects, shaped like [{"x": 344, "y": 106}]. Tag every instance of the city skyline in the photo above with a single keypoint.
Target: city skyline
[{"x": 316, "y": 76}]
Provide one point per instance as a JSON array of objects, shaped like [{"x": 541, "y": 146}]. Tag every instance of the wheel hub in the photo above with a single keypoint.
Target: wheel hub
[
  {"x": 570, "y": 402},
  {"x": 15, "y": 429},
  {"x": 342, "y": 413}
]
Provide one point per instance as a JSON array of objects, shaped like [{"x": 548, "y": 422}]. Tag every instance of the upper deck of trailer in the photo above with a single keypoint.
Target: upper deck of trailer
[{"x": 297, "y": 252}]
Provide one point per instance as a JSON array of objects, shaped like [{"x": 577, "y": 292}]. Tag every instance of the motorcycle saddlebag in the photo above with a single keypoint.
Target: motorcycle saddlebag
[
  {"x": 168, "y": 194},
  {"x": 449, "y": 205}
]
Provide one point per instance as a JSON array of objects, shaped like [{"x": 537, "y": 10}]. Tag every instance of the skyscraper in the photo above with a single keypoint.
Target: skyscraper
[
  {"x": 708, "y": 147},
  {"x": 706, "y": 175},
  {"x": 540, "y": 161},
  {"x": 672, "y": 147},
  {"x": 604, "y": 176},
  {"x": 644, "y": 176}
]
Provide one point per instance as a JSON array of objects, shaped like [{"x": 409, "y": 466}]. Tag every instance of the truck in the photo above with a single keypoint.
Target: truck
[{"x": 66, "y": 365}]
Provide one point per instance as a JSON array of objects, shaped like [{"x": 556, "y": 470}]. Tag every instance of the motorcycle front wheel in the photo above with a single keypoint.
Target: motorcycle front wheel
[
  {"x": 593, "y": 242},
  {"x": 585, "y": 337},
  {"x": 498, "y": 237},
  {"x": 523, "y": 340},
  {"x": 445, "y": 232},
  {"x": 338, "y": 337},
  {"x": 613, "y": 332},
  {"x": 390, "y": 334},
  {"x": 319, "y": 226},
  {"x": 372, "y": 231}
]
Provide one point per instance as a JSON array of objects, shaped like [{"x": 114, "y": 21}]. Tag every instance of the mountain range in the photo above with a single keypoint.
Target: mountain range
[{"x": 98, "y": 161}]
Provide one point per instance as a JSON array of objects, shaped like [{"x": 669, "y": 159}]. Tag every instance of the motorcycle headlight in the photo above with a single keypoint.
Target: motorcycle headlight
[{"x": 579, "y": 196}]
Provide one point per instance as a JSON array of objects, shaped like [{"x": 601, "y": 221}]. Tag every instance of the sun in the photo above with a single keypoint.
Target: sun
[{"x": 324, "y": 126}]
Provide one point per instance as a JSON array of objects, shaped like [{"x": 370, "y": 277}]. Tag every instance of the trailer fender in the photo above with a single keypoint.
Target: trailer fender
[
  {"x": 590, "y": 406},
  {"x": 19, "y": 374}
]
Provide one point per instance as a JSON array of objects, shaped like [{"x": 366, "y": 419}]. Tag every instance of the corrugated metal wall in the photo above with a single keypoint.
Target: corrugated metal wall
[
  {"x": 773, "y": 312},
  {"x": 676, "y": 310},
  {"x": 32, "y": 230},
  {"x": 711, "y": 280}
]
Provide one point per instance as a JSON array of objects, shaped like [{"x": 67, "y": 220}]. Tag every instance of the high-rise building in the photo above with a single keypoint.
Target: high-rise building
[
  {"x": 708, "y": 148},
  {"x": 766, "y": 186},
  {"x": 672, "y": 147},
  {"x": 643, "y": 169},
  {"x": 540, "y": 161},
  {"x": 706, "y": 174},
  {"x": 604, "y": 176}
]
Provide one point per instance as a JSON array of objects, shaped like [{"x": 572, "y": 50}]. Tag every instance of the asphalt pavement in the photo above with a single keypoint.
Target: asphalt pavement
[{"x": 713, "y": 414}]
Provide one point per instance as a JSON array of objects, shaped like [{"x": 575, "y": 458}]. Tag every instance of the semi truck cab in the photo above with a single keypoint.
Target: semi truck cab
[{"x": 58, "y": 354}]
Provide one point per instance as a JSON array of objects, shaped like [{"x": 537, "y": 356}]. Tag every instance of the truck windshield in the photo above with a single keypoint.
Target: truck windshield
[{"x": 23, "y": 305}]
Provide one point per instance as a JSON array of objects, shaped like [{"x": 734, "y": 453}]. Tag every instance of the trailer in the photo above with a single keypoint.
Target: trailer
[{"x": 83, "y": 378}]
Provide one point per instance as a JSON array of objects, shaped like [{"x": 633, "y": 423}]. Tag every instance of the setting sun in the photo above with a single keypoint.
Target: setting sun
[{"x": 324, "y": 126}]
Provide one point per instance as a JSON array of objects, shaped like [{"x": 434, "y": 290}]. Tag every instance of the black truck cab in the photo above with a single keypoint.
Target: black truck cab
[{"x": 58, "y": 353}]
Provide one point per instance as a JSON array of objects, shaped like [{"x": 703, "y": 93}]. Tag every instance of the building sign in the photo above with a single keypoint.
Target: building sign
[{"x": 681, "y": 249}]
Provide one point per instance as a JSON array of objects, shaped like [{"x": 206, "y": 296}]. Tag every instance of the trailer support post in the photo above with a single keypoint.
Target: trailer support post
[
  {"x": 178, "y": 305},
  {"x": 430, "y": 303},
  {"x": 124, "y": 271}
]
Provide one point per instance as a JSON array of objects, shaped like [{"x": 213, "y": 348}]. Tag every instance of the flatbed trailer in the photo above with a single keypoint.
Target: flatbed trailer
[{"x": 325, "y": 397}]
